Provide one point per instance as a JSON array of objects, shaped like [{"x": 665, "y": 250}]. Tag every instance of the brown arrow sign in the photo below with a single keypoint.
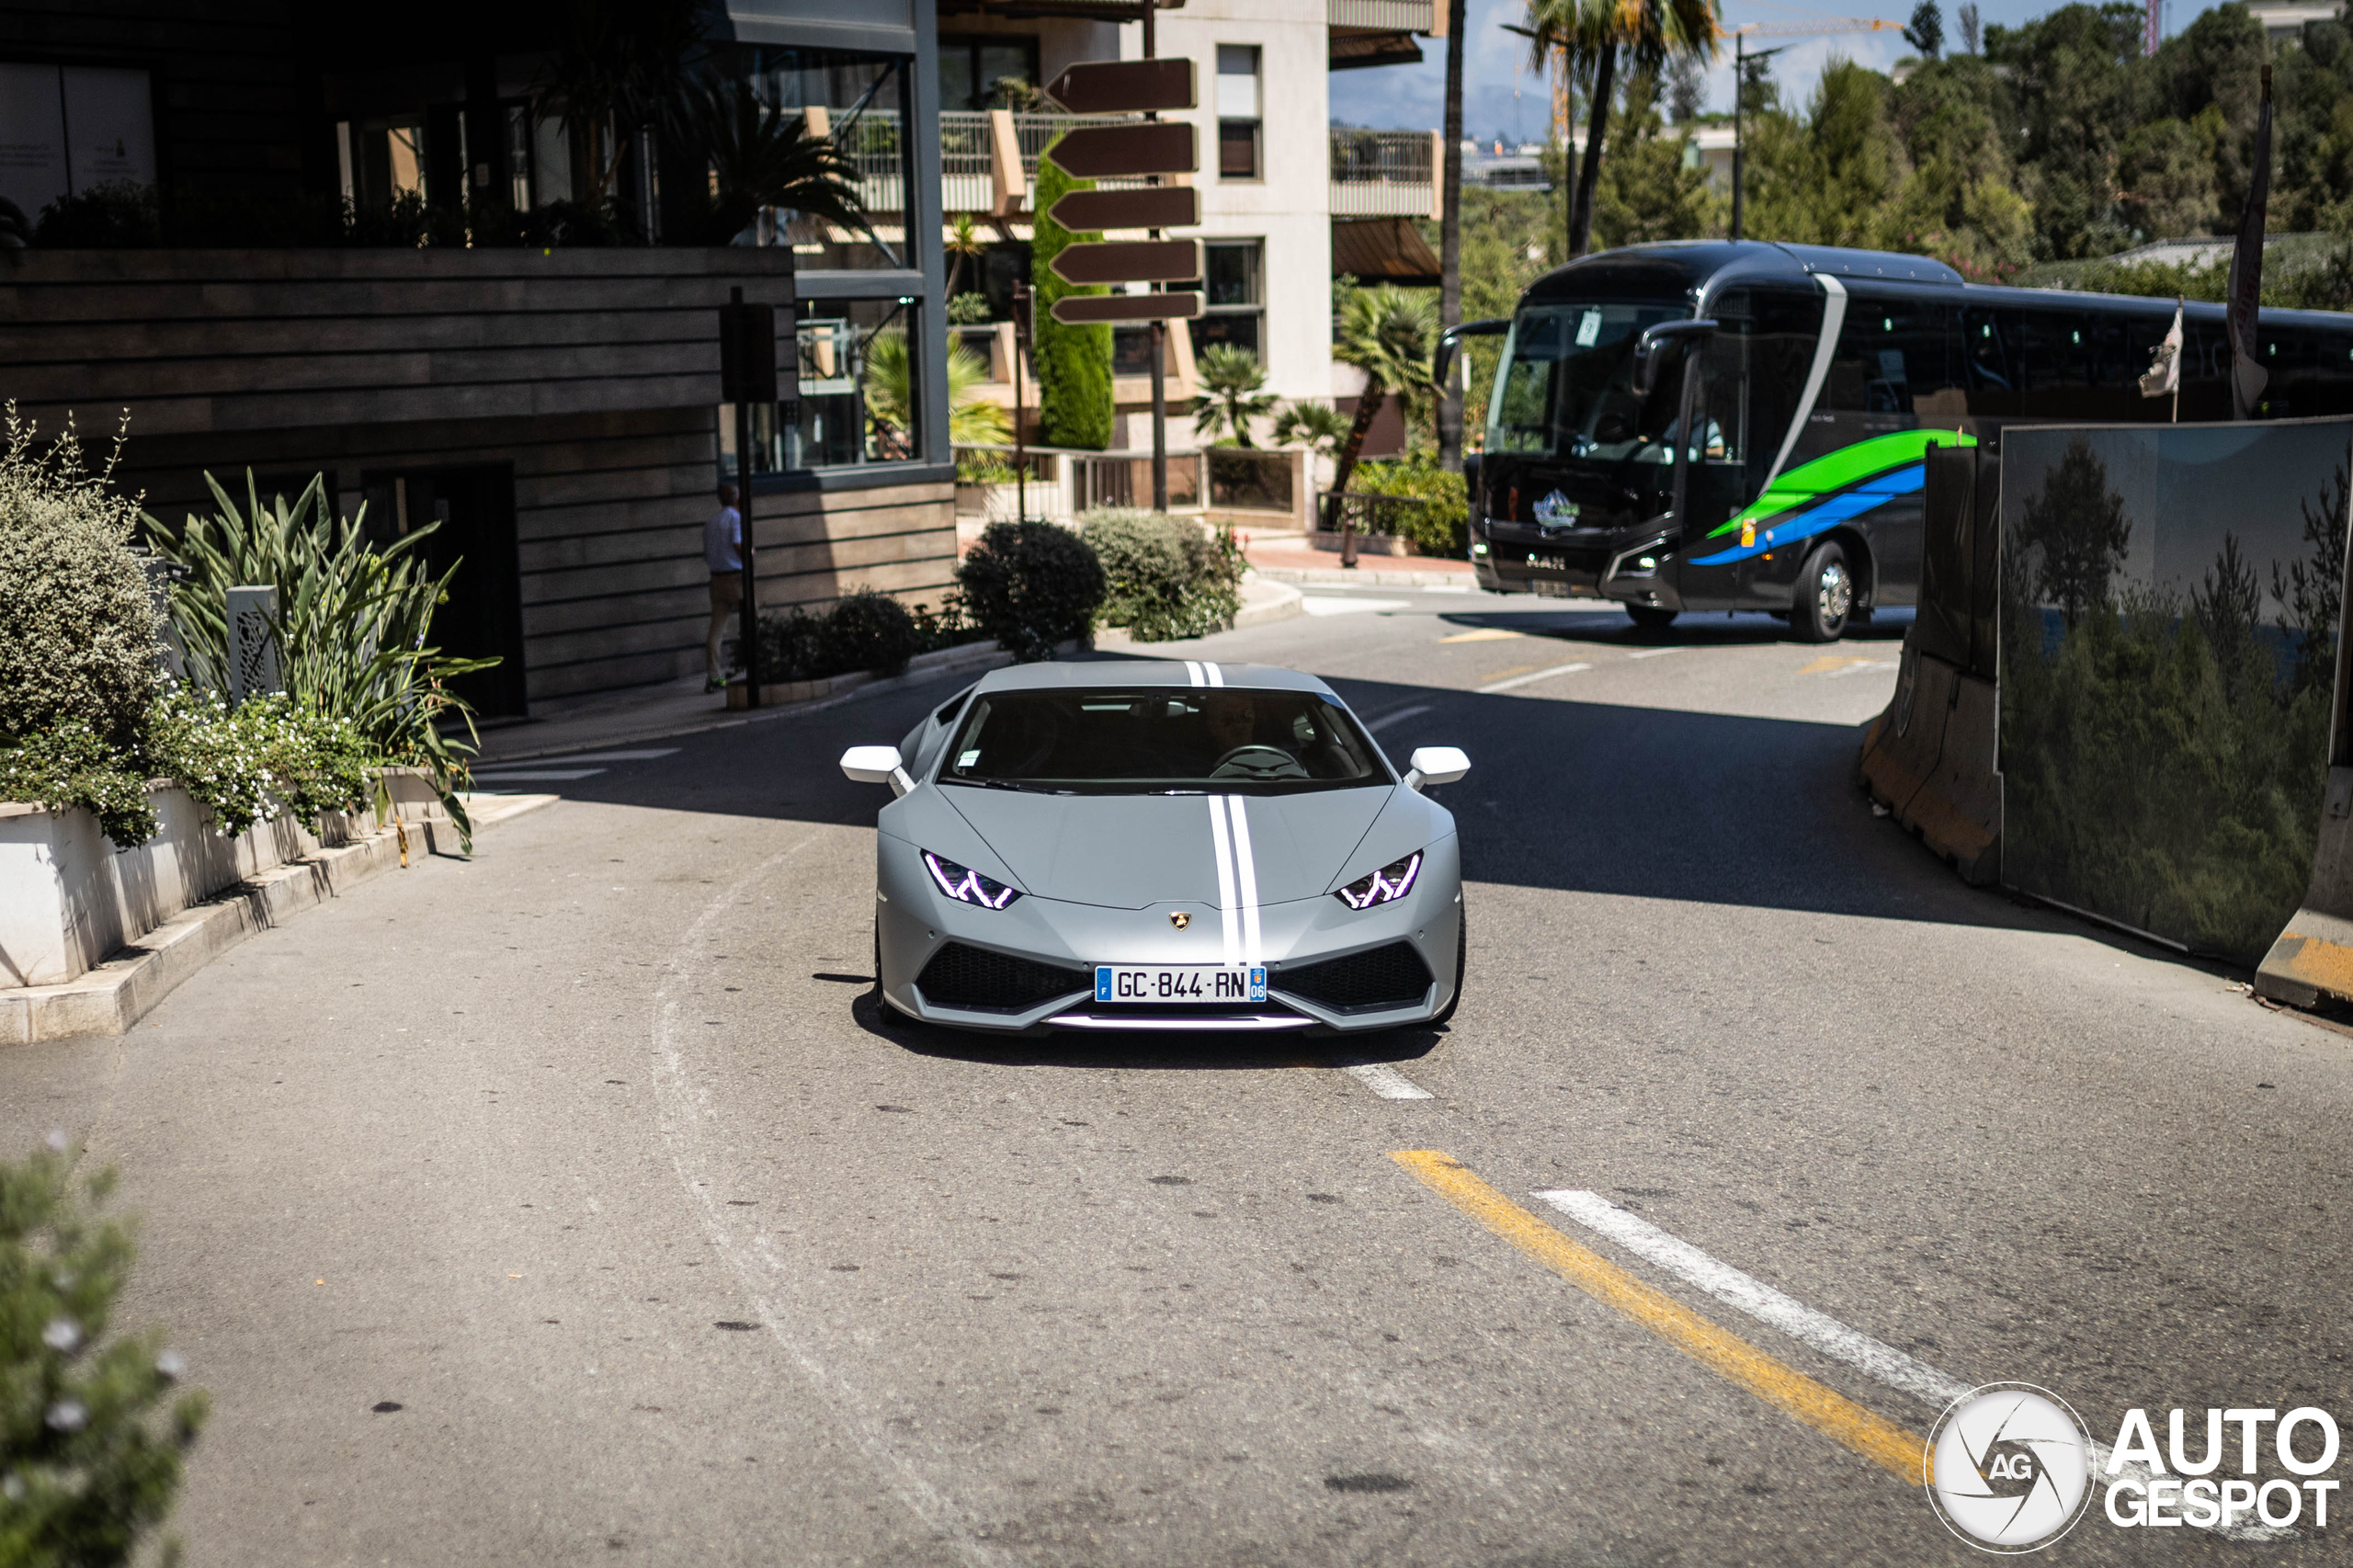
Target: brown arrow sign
[
  {"x": 1152, "y": 206},
  {"x": 1110, "y": 151},
  {"x": 1129, "y": 261},
  {"x": 1124, "y": 86},
  {"x": 1085, "y": 308}
]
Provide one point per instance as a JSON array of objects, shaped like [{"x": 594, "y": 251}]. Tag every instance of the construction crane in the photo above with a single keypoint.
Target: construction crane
[{"x": 1819, "y": 28}]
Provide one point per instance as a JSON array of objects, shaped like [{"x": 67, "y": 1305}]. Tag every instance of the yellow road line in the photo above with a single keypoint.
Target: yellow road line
[
  {"x": 1829, "y": 664},
  {"x": 1824, "y": 1409}
]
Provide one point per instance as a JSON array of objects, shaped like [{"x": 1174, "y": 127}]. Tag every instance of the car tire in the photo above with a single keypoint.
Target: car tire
[
  {"x": 1647, "y": 618},
  {"x": 1825, "y": 595},
  {"x": 1461, "y": 950}
]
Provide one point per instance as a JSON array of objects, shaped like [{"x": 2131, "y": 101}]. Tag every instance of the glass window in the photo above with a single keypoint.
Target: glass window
[
  {"x": 1238, "y": 112},
  {"x": 1235, "y": 306},
  {"x": 1567, "y": 389},
  {"x": 984, "y": 72},
  {"x": 1892, "y": 359},
  {"x": 860, "y": 100},
  {"x": 1160, "y": 741},
  {"x": 861, "y": 387}
]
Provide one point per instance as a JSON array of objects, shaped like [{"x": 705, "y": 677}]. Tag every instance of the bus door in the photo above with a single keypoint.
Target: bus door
[{"x": 1752, "y": 373}]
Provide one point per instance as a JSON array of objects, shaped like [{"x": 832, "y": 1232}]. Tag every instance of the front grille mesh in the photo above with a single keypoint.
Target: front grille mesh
[
  {"x": 1394, "y": 976},
  {"x": 984, "y": 981}
]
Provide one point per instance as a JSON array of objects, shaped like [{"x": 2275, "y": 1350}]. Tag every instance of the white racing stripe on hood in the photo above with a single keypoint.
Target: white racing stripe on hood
[
  {"x": 1193, "y": 672},
  {"x": 1228, "y": 928},
  {"x": 1246, "y": 877},
  {"x": 1217, "y": 676}
]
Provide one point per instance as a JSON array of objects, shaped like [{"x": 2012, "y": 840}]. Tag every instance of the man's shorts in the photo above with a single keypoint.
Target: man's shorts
[{"x": 726, "y": 590}]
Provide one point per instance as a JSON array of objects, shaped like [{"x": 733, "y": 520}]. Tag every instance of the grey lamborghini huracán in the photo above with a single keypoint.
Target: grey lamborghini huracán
[{"x": 1161, "y": 846}]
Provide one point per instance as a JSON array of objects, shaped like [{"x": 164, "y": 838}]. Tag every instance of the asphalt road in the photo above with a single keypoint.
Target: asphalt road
[{"x": 575, "y": 1205}]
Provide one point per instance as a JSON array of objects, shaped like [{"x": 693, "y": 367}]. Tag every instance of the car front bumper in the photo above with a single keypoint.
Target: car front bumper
[{"x": 914, "y": 920}]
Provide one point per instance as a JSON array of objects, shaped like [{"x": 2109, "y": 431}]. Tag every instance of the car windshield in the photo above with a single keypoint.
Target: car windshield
[
  {"x": 1158, "y": 742},
  {"x": 1567, "y": 386}
]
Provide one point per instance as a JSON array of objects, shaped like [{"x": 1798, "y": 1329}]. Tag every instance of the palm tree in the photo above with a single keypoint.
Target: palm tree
[
  {"x": 617, "y": 66},
  {"x": 762, "y": 157},
  {"x": 1318, "y": 427},
  {"x": 1591, "y": 35},
  {"x": 973, "y": 419},
  {"x": 1388, "y": 334},
  {"x": 963, "y": 244},
  {"x": 1231, "y": 378}
]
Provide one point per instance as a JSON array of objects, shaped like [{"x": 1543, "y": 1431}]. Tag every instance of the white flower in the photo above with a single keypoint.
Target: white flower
[{"x": 62, "y": 1335}]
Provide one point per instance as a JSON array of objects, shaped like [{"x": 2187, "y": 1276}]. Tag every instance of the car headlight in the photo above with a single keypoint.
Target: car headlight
[
  {"x": 1387, "y": 885},
  {"x": 967, "y": 886}
]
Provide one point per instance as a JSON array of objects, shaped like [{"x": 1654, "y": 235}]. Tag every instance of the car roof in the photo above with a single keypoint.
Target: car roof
[{"x": 1127, "y": 674}]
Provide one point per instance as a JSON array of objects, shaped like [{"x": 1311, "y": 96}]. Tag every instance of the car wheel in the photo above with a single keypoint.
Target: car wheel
[
  {"x": 1646, "y": 619},
  {"x": 1825, "y": 595},
  {"x": 1461, "y": 950}
]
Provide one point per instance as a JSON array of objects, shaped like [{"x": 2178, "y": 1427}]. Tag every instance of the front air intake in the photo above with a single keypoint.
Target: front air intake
[
  {"x": 976, "y": 979},
  {"x": 1394, "y": 976}
]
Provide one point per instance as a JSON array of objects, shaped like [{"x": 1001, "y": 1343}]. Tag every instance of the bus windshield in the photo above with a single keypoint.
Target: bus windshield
[{"x": 1566, "y": 388}]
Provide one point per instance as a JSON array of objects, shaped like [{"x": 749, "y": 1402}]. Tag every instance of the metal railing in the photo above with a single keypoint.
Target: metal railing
[
  {"x": 1386, "y": 15},
  {"x": 1246, "y": 480},
  {"x": 1382, "y": 173},
  {"x": 1033, "y": 131},
  {"x": 967, "y": 161},
  {"x": 1380, "y": 515},
  {"x": 876, "y": 147}
]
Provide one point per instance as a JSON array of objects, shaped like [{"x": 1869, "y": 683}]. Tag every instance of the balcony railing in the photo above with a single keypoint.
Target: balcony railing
[
  {"x": 1388, "y": 16},
  {"x": 1384, "y": 174}
]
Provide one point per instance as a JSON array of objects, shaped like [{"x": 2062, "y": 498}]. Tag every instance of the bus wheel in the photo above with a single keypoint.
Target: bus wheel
[
  {"x": 1647, "y": 618},
  {"x": 1825, "y": 595}
]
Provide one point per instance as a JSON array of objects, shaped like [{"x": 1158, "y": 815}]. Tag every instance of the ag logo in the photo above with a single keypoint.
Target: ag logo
[
  {"x": 1181, "y": 919},
  {"x": 2010, "y": 1467}
]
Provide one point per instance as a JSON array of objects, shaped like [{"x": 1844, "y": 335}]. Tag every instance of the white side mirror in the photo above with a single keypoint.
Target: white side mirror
[
  {"x": 1436, "y": 765},
  {"x": 877, "y": 765}
]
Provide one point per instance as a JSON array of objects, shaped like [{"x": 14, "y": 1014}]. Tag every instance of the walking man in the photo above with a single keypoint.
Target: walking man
[{"x": 722, "y": 552}]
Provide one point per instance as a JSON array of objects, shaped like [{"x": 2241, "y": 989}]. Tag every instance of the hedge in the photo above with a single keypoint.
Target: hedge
[
  {"x": 1167, "y": 578},
  {"x": 1073, "y": 362}
]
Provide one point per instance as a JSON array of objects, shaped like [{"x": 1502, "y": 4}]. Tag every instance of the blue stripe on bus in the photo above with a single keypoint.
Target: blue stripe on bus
[{"x": 1864, "y": 497}]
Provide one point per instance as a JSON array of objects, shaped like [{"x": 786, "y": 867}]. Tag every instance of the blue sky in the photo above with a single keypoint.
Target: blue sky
[{"x": 1502, "y": 96}]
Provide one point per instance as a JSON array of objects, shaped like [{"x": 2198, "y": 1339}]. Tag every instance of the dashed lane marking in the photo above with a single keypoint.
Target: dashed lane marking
[
  {"x": 1832, "y": 1414},
  {"x": 1514, "y": 682},
  {"x": 1484, "y": 634},
  {"x": 1387, "y": 1081},
  {"x": 1656, "y": 652},
  {"x": 1315, "y": 605},
  {"x": 1803, "y": 1323}
]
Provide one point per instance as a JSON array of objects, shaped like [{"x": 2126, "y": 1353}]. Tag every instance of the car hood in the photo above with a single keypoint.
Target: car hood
[{"x": 1131, "y": 851}]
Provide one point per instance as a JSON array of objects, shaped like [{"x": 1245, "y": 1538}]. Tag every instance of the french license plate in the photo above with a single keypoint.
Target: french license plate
[
  {"x": 1547, "y": 588},
  {"x": 1178, "y": 982}
]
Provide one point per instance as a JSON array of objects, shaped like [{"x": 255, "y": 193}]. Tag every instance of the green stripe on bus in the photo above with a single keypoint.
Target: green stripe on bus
[{"x": 1835, "y": 471}]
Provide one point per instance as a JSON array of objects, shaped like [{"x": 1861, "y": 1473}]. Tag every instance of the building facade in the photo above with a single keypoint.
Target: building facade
[{"x": 369, "y": 247}]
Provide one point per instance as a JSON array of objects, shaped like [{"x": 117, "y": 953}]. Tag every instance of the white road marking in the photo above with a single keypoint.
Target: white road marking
[
  {"x": 1387, "y": 1083},
  {"x": 1758, "y": 1299},
  {"x": 606, "y": 756},
  {"x": 1399, "y": 716},
  {"x": 1496, "y": 685},
  {"x": 1656, "y": 653},
  {"x": 1316, "y": 605},
  {"x": 534, "y": 775},
  {"x": 1824, "y": 1332},
  {"x": 1449, "y": 589}
]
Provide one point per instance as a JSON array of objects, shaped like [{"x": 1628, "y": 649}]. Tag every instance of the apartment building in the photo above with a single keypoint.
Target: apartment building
[
  {"x": 1286, "y": 200},
  {"x": 320, "y": 241}
]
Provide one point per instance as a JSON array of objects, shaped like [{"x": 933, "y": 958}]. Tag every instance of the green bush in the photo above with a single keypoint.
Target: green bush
[
  {"x": 77, "y": 629},
  {"x": 1166, "y": 578},
  {"x": 111, "y": 215},
  {"x": 1441, "y": 528},
  {"x": 1073, "y": 362},
  {"x": 864, "y": 631},
  {"x": 92, "y": 1435},
  {"x": 1031, "y": 585},
  {"x": 353, "y": 627},
  {"x": 868, "y": 631}
]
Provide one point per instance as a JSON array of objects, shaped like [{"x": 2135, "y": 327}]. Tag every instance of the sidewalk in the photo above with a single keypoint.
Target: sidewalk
[{"x": 1289, "y": 557}]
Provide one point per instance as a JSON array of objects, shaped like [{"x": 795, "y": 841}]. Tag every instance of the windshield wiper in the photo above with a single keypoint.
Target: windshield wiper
[{"x": 1003, "y": 784}]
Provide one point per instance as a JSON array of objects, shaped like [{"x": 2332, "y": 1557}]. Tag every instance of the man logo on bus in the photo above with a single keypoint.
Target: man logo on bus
[
  {"x": 1555, "y": 511},
  {"x": 2009, "y": 1468}
]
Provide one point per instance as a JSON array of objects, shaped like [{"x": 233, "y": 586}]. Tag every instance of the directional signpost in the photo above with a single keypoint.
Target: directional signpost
[{"x": 1150, "y": 149}]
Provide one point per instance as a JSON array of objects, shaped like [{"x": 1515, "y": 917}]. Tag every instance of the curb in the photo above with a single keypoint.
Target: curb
[
  {"x": 115, "y": 994},
  {"x": 1369, "y": 576}
]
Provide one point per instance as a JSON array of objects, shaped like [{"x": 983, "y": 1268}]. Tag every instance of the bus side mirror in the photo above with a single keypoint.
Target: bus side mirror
[
  {"x": 1649, "y": 348},
  {"x": 1443, "y": 358}
]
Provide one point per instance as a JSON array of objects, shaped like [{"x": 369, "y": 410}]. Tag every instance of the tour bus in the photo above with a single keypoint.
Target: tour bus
[{"x": 1809, "y": 380}]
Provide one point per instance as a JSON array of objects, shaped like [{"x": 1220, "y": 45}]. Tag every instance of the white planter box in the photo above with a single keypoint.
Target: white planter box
[{"x": 69, "y": 899}]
